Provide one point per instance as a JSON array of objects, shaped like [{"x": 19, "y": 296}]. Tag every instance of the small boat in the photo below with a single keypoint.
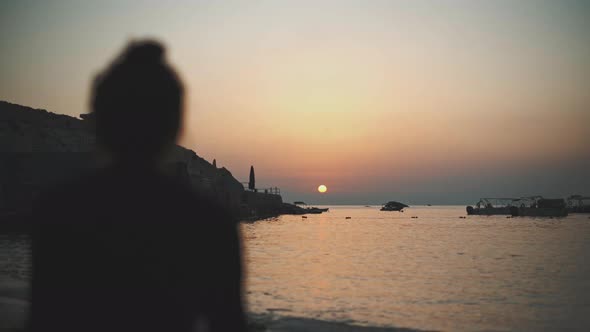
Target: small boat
[
  {"x": 315, "y": 210},
  {"x": 287, "y": 208},
  {"x": 304, "y": 209},
  {"x": 393, "y": 206}
]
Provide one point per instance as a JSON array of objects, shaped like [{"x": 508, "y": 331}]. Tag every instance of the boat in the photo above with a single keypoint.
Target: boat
[
  {"x": 315, "y": 210},
  {"x": 501, "y": 206},
  {"x": 541, "y": 207},
  {"x": 287, "y": 208},
  {"x": 492, "y": 206},
  {"x": 578, "y": 204},
  {"x": 393, "y": 206}
]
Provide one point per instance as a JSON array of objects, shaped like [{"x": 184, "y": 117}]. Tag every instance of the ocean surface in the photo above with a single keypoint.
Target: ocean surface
[
  {"x": 386, "y": 269},
  {"x": 434, "y": 272}
]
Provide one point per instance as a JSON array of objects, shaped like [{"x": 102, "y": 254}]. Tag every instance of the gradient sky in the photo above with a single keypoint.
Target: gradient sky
[{"x": 417, "y": 101}]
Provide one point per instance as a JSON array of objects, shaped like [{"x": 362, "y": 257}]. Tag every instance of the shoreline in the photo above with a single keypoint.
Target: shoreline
[{"x": 14, "y": 304}]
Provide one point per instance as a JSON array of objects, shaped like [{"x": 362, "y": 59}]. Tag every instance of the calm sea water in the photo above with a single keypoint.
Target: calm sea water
[{"x": 434, "y": 272}]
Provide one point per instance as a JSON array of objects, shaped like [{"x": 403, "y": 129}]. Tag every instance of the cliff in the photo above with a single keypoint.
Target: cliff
[{"x": 39, "y": 148}]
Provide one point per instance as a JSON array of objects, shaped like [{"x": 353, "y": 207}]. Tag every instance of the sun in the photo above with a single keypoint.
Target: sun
[{"x": 322, "y": 188}]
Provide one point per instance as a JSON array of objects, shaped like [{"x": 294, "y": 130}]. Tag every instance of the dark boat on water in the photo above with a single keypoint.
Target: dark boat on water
[
  {"x": 393, "y": 206},
  {"x": 578, "y": 204},
  {"x": 288, "y": 208},
  {"x": 315, "y": 210},
  {"x": 530, "y": 206},
  {"x": 542, "y": 207},
  {"x": 304, "y": 209},
  {"x": 493, "y": 206}
]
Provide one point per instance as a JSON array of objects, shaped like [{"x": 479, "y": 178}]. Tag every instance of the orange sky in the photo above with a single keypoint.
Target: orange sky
[{"x": 375, "y": 99}]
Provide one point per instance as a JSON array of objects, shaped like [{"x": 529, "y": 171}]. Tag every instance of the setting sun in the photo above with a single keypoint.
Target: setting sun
[{"x": 322, "y": 188}]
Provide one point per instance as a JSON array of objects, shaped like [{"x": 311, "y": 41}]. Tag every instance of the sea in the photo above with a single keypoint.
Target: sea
[{"x": 427, "y": 268}]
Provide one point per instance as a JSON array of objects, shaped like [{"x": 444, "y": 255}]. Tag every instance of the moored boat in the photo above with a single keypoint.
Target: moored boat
[
  {"x": 542, "y": 207},
  {"x": 578, "y": 204},
  {"x": 315, "y": 210},
  {"x": 393, "y": 206},
  {"x": 309, "y": 209},
  {"x": 492, "y": 206},
  {"x": 502, "y": 206}
]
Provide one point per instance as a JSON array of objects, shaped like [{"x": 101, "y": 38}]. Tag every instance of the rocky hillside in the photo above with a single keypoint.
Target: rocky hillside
[
  {"x": 24, "y": 129},
  {"x": 38, "y": 148}
]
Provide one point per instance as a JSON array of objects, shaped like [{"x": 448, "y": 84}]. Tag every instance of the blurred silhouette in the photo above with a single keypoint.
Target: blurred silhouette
[
  {"x": 252, "y": 181},
  {"x": 127, "y": 248}
]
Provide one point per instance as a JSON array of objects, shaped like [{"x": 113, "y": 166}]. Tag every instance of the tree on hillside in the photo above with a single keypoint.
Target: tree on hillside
[{"x": 252, "y": 182}]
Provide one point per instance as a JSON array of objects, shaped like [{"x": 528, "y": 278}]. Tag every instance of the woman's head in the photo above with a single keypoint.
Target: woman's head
[{"x": 138, "y": 104}]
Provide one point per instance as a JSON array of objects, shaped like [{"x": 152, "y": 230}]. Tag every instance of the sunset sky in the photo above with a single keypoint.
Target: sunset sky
[{"x": 417, "y": 101}]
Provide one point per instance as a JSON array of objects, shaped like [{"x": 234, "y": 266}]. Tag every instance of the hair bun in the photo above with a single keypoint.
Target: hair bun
[{"x": 144, "y": 53}]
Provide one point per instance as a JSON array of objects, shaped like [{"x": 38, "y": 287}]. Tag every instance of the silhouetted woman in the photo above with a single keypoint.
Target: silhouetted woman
[{"x": 127, "y": 248}]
